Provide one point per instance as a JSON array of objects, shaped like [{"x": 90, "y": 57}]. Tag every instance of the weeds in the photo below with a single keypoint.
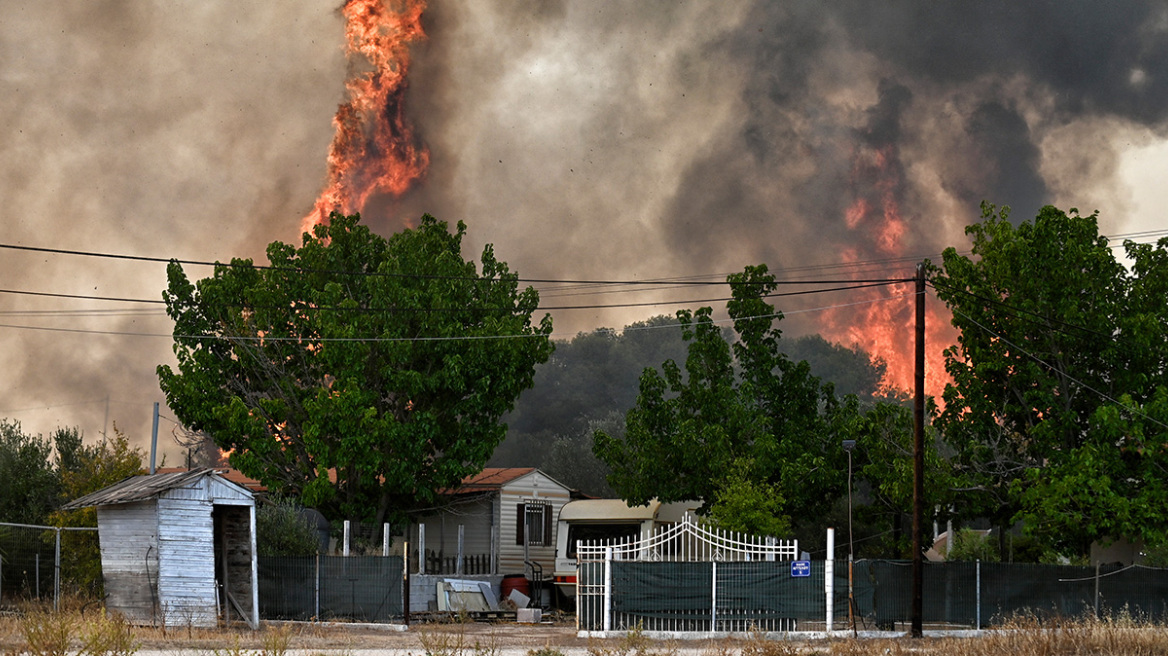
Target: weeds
[
  {"x": 634, "y": 643},
  {"x": 47, "y": 633},
  {"x": 107, "y": 635}
]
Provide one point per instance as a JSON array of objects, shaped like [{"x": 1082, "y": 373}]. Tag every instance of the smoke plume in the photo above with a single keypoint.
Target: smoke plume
[{"x": 586, "y": 140}]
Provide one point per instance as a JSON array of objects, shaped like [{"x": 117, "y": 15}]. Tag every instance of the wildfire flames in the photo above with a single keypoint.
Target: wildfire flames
[
  {"x": 886, "y": 328},
  {"x": 374, "y": 152}
]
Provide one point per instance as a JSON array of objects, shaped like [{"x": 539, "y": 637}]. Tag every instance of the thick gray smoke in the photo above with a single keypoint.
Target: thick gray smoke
[{"x": 612, "y": 140}]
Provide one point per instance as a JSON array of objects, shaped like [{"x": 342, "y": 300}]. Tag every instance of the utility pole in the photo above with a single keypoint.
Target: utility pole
[{"x": 918, "y": 566}]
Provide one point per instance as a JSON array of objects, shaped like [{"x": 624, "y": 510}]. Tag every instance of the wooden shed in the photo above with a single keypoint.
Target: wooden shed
[{"x": 178, "y": 548}]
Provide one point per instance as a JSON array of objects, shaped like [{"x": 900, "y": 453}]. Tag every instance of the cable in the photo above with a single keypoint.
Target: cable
[{"x": 422, "y": 339}]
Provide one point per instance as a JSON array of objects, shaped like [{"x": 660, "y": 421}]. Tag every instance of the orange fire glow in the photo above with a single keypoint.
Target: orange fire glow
[
  {"x": 374, "y": 152},
  {"x": 886, "y": 328}
]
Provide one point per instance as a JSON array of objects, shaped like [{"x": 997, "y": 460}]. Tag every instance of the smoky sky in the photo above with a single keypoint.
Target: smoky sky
[{"x": 585, "y": 140}]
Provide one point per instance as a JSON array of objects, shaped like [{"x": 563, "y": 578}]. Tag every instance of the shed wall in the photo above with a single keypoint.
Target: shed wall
[
  {"x": 129, "y": 559},
  {"x": 186, "y": 566}
]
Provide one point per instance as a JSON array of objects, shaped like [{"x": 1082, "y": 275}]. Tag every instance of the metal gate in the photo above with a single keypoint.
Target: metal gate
[{"x": 685, "y": 578}]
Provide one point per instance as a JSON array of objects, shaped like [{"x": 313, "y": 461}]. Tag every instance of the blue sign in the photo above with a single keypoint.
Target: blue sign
[{"x": 800, "y": 568}]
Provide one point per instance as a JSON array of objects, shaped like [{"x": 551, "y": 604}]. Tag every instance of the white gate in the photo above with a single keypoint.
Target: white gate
[{"x": 684, "y": 577}]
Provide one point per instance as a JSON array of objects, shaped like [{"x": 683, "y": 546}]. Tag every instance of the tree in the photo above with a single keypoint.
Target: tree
[
  {"x": 29, "y": 487},
  {"x": 732, "y": 404},
  {"x": 1057, "y": 410},
  {"x": 358, "y": 373},
  {"x": 82, "y": 470}
]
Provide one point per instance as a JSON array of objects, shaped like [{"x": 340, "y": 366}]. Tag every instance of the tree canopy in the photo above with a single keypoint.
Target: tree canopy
[
  {"x": 359, "y": 373},
  {"x": 1058, "y": 410},
  {"x": 741, "y": 410}
]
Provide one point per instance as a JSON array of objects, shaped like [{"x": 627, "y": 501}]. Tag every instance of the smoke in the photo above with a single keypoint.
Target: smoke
[{"x": 613, "y": 140}]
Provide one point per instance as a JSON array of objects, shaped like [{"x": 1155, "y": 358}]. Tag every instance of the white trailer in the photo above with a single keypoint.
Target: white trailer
[{"x": 589, "y": 520}]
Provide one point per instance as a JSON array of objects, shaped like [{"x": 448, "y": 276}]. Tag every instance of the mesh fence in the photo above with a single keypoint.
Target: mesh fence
[
  {"x": 27, "y": 563},
  {"x": 365, "y": 588},
  {"x": 744, "y": 596}
]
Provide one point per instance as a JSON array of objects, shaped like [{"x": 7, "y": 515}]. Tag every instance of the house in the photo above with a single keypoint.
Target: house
[
  {"x": 506, "y": 518},
  {"x": 178, "y": 548}
]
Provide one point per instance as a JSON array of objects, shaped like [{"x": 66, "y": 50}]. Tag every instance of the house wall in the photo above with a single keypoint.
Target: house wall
[
  {"x": 533, "y": 487},
  {"x": 477, "y": 518},
  {"x": 186, "y": 579},
  {"x": 129, "y": 559}
]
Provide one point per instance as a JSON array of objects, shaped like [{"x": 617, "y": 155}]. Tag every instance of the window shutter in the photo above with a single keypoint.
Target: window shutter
[
  {"x": 547, "y": 525},
  {"x": 520, "y": 522}
]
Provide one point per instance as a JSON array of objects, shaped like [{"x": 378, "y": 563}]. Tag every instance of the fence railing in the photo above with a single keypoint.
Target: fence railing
[
  {"x": 30, "y": 561},
  {"x": 365, "y": 588},
  {"x": 439, "y": 563}
]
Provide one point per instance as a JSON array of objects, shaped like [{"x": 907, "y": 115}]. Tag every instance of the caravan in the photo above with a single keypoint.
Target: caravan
[{"x": 589, "y": 520}]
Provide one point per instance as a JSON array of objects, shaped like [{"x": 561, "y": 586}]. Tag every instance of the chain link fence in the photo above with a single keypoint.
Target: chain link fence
[
  {"x": 365, "y": 588},
  {"x": 30, "y": 561}
]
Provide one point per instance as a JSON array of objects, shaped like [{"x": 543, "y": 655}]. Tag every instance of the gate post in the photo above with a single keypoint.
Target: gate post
[
  {"x": 607, "y": 589},
  {"x": 713, "y": 596},
  {"x": 829, "y": 580}
]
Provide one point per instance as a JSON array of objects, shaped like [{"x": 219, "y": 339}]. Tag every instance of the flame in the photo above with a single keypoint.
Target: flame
[
  {"x": 885, "y": 327},
  {"x": 374, "y": 151}
]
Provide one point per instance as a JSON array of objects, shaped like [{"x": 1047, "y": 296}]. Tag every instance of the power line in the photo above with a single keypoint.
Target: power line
[{"x": 414, "y": 339}]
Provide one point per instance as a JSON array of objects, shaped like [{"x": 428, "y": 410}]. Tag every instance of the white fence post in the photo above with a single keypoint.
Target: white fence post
[
  {"x": 829, "y": 579},
  {"x": 607, "y": 589},
  {"x": 458, "y": 563},
  {"x": 713, "y": 596},
  {"x": 345, "y": 549},
  {"x": 421, "y": 548},
  {"x": 385, "y": 539}
]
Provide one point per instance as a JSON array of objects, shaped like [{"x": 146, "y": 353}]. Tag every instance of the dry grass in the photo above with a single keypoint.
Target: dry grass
[{"x": 90, "y": 632}]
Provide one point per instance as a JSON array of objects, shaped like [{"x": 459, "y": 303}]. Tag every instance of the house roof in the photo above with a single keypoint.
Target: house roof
[
  {"x": 141, "y": 488},
  {"x": 490, "y": 479},
  {"x": 231, "y": 474}
]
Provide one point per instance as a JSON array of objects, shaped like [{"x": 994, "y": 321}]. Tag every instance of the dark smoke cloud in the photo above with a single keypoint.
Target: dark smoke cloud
[{"x": 615, "y": 139}]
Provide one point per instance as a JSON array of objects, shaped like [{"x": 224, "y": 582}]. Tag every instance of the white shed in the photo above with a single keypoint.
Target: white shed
[{"x": 178, "y": 548}]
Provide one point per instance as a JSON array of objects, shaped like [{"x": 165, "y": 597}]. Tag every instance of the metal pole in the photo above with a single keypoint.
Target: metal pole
[
  {"x": 977, "y": 612},
  {"x": 316, "y": 591},
  {"x": 345, "y": 548},
  {"x": 918, "y": 566},
  {"x": 385, "y": 539},
  {"x": 57, "y": 572},
  {"x": 406, "y": 581},
  {"x": 607, "y": 625},
  {"x": 713, "y": 596},
  {"x": 154, "y": 438},
  {"x": 829, "y": 580}
]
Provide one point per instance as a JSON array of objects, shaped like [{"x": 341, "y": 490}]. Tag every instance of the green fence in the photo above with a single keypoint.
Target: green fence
[
  {"x": 716, "y": 596},
  {"x": 365, "y": 588}
]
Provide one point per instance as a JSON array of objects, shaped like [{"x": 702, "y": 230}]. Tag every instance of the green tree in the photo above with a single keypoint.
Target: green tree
[
  {"x": 29, "y": 487},
  {"x": 82, "y": 470},
  {"x": 358, "y": 373},
  {"x": 732, "y": 403},
  {"x": 1057, "y": 411}
]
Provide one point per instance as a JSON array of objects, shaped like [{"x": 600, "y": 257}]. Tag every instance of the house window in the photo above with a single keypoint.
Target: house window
[{"x": 533, "y": 523}]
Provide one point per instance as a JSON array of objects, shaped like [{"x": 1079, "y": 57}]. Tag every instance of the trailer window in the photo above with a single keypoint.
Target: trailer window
[{"x": 594, "y": 532}]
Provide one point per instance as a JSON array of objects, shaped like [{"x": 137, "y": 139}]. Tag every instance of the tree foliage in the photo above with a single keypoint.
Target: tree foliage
[
  {"x": 731, "y": 404},
  {"x": 29, "y": 486},
  {"x": 282, "y": 529},
  {"x": 358, "y": 373},
  {"x": 1058, "y": 411},
  {"x": 84, "y": 469}
]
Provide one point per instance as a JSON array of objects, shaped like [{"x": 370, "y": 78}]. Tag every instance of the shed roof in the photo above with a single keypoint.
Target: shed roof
[{"x": 146, "y": 486}]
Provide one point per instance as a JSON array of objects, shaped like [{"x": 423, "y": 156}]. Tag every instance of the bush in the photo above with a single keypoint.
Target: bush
[{"x": 282, "y": 530}]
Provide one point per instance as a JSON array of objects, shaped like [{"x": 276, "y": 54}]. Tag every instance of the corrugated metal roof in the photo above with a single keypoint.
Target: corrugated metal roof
[{"x": 141, "y": 488}]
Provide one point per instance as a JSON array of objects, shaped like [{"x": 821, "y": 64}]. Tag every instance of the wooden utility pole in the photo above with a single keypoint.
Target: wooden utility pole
[{"x": 918, "y": 566}]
